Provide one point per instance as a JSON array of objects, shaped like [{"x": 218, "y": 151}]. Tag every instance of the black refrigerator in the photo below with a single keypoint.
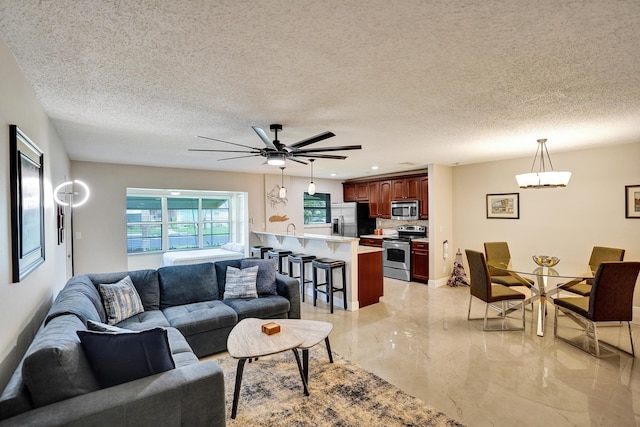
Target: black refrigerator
[{"x": 351, "y": 219}]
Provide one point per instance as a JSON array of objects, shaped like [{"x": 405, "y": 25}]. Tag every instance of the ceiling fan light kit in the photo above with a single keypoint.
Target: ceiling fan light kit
[
  {"x": 277, "y": 153},
  {"x": 543, "y": 178}
]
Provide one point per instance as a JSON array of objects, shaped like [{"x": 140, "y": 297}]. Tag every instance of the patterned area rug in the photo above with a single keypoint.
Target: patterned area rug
[{"x": 341, "y": 394}]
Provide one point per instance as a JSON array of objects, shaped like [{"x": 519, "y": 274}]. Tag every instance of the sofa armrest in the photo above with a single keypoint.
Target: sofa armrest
[
  {"x": 290, "y": 289},
  {"x": 192, "y": 395}
]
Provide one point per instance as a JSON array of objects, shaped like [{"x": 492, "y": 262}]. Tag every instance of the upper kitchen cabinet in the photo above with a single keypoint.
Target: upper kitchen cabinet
[
  {"x": 356, "y": 192},
  {"x": 405, "y": 188},
  {"x": 380, "y": 199},
  {"x": 424, "y": 197}
]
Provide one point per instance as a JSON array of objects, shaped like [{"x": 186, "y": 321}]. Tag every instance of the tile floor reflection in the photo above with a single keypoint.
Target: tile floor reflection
[{"x": 418, "y": 338}]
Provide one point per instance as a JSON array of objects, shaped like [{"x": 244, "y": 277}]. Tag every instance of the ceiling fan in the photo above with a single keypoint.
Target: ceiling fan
[{"x": 276, "y": 152}]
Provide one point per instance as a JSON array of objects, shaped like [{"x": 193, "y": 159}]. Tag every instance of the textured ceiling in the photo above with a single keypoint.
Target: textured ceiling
[{"x": 414, "y": 82}]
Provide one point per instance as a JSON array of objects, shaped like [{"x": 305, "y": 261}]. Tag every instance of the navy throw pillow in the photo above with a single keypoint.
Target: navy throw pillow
[
  {"x": 267, "y": 269},
  {"x": 118, "y": 358}
]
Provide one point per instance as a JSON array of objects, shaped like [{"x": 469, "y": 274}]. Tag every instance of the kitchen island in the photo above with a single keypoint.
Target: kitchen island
[{"x": 363, "y": 287}]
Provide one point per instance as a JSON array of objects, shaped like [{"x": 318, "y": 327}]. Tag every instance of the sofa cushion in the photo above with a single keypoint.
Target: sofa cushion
[
  {"x": 267, "y": 269},
  {"x": 121, "y": 357},
  {"x": 74, "y": 300},
  {"x": 191, "y": 319},
  {"x": 241, "y": 283},
  {"x": 55, "y": 367},
  {"x": 186, "y": 284},
  {"x": 145, "y": 281},
  {"x": 269, "y": 306},
  {"x": 120, "y": 299},
  {"x": 144, "y": 320}
]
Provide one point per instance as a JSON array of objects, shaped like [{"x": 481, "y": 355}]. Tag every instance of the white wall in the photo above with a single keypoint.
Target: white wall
[
  {"x": 564, "y": 222},
  {"x": 22, "y": 304},
  {"x": 102, "y": 220},
  {"x": 440, "y": 223}
]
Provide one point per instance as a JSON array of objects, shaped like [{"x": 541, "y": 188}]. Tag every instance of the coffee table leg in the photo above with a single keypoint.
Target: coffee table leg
[
  {"x": 304, "y": 381},
  {"x": 326, "y": 341},
  {"x": 305, "y": 364},
  {"x": 236, "y": 393}
]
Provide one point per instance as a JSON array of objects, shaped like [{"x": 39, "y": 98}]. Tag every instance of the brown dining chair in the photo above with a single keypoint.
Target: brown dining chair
[
  {"x": 482, "y": 288},
  {"x": 611, "y": 300},
  {"x": 599, "y": 254},
  {"x": 498, "y": 252}
]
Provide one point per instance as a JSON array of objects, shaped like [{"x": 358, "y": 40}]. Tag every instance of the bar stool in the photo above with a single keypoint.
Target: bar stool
[
  {"x": 260, "y": 251},
  {"x": 280, "y": 254},
  {"x": 328, "y": 265},
  {"x": 302, "y": 260}
]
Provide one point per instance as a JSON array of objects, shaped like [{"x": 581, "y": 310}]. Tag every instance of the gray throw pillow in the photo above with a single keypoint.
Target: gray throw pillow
[
  {"x": 241, "y": 283},
  {"x": 266, "y": 280},
  {"x": 121, "y": 300}
]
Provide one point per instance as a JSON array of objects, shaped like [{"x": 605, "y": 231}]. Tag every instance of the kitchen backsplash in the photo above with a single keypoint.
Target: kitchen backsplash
[{"x": 394, "y": 223}]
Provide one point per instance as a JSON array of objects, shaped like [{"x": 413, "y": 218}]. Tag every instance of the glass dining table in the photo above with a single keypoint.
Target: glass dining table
[{"x": 541, "y": 291}]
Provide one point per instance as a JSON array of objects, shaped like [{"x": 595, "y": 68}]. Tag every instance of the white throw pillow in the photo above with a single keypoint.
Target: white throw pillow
[{"x": 241, "y": 283}]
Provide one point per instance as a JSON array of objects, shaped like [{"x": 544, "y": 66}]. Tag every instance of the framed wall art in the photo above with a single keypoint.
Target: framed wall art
[
  {"x": 504, "y": 205},
  {"x": 632, "y": 201},
  {"x": 27, "y": 204}
]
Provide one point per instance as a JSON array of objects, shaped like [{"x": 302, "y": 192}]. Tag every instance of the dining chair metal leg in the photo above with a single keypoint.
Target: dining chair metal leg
[{"x": 633, "y": 350}]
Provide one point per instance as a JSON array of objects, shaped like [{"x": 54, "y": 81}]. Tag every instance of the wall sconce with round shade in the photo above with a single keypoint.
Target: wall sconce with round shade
[
  {"x": 543, "y": 178},
  {"x": 73, "y": 193},
  {"x": 275, "y": 159},
  {"x": 283, "y": 191},
  {"x": 312, "y": 187}
]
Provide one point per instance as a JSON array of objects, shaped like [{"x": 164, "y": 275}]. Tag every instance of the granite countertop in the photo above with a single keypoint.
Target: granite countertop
[
  {"x": 368, "y": 249},
  {"x": 309, "y": 236},
  {"x": 422, "y": 240}
]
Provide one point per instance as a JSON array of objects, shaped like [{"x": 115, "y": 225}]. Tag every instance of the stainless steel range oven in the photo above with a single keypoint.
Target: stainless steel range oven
[{"x": 396, "y": 252}]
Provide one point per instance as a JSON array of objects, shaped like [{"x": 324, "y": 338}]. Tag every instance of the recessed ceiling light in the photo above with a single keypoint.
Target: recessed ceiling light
[
  {"x": 333, "y": 174},
  {"x": 375, "y": 168}
]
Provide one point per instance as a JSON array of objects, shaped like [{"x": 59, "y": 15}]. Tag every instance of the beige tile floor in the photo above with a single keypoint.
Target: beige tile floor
[{"x": 418, "y": 338}]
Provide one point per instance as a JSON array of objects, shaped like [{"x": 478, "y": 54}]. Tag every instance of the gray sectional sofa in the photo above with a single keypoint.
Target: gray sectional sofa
[{"x": 55, "y": 383}]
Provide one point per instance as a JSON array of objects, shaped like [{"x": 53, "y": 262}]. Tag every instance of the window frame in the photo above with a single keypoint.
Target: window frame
[{"x": 327, "y": 208}]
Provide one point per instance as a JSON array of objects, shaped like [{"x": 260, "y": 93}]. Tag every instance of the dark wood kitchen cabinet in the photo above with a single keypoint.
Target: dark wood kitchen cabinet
[
  {"x": 424, "y": 198},
  {"x": 357, "y": 192},
  {"x": 420, "y": 262},
  {"x": 380, "y": 199},
  {"x": 405, "y": 188},
  {"x": 374, "y": 199},
  {"x": 385, "y": 199},
  {"x": 370, "y": 280},
  {"x": 371, "y": 241}
]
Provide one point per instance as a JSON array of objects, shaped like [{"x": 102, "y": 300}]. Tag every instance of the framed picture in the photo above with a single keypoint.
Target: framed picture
[
  {"x": 27, "y": 204},
  {"x": 505, "y": 205},
  {"x": 632, "y": 201}
]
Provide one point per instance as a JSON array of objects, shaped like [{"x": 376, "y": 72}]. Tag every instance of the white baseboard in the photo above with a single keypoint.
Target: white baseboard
[{"x": 438, "y": 282}]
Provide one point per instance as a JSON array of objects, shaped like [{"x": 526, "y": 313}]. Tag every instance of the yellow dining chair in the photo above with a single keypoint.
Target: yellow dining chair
[
  {"x": 499, "y": 252},
  {"x": 611, "y": 300},
  {"x": 599, "y": 254},
  {"x": 482, "y": 288}
]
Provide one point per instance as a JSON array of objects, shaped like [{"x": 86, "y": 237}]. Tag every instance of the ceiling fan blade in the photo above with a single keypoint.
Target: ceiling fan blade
[
  {"x": 312, "y": 140},
  {"x": 240, "y": 157},
  {"x": 263, "y": 136},
  {"x": 226, "y": 142},
  {"x": 323, "y": 156},
  {"x": 297, "y": 160},
  {"x": 224, "y": 151},
  {"x": 320, "y": 150}
]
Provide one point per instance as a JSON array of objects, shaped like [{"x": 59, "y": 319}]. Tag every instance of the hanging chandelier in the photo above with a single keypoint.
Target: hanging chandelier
[
  {"x": 543, "y": 178},
  {"x": 283, "y": 191}
]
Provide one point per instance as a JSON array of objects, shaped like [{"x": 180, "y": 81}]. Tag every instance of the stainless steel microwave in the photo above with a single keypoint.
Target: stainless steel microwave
[{"x": 405, "y": 209}]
